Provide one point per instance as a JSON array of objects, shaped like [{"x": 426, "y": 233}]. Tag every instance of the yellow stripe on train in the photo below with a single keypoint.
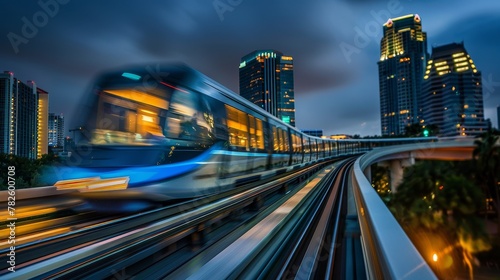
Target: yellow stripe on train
[{"x": 92, "y": 184}]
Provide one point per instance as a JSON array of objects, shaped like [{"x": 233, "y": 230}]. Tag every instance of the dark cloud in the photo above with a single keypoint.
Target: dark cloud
[{"x": 334, "y": 91}]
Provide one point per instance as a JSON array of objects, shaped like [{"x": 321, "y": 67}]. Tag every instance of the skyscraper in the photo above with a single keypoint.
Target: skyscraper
[
  {"x": 403, "y": 54},
  {"x": 498, "y": 117},
  {"x": 18, "y": 127},
  {"x": 266, "y": 79},
  {"x": 7, "y": 120},
  {"x": 452, "y": 92},
  {"x": 56, "y": 131}
]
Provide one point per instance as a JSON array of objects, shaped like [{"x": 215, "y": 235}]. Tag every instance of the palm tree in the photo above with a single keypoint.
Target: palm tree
[
  {"x": 486, "y": 155},
  {"x": 434, "y": 198}
]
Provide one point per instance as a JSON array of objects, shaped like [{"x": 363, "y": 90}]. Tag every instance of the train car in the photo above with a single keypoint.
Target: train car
[{"x": 156, "y": 133}]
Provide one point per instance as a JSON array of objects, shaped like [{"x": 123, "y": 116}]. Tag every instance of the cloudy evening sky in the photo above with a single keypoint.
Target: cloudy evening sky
[{"x": 334, "y": 43}]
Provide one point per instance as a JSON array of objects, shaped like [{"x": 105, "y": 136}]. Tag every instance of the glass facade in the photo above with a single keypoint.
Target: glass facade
[
  {"x": 403, "y": 54},
  {"x": 452, "y": 97},
  {"x": 56, "y": 130},
  {"x": 266, "y": 79},
  {"x": 19, "y": 122}
]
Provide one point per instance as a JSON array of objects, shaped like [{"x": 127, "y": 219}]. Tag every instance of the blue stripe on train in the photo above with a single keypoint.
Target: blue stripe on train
[{"x": 143, "y": 175}]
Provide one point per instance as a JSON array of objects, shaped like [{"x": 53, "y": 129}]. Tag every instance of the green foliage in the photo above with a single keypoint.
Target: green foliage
[
  {"x": 487, "y": 159},
  {"x": 380, "y": 182},
  {"x": 436, "y": 198},
  {"x": 27, "y": 172}
]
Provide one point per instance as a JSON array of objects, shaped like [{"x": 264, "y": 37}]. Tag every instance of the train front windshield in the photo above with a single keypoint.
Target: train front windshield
[{"x": 132, "y": 115}]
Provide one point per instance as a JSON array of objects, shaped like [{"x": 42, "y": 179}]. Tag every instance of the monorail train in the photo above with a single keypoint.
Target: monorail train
[{"x": 166, "y": 132}]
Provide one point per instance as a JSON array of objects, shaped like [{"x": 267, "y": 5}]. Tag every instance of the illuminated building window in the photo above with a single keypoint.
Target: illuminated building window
[{"x": 460, "y": 59}]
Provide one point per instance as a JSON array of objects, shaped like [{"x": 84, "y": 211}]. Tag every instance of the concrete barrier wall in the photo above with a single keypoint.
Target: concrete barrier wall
[{"x": 389, "y": 253}]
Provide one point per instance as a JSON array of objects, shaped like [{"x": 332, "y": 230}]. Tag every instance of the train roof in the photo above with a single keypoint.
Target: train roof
[{"x": 177, "y": 71}]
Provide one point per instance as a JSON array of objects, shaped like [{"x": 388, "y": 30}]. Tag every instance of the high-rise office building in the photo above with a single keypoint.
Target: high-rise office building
[
  {"x": 403, "y": 54},
  {"x": 266, "y": 79},
  {"x": 56, "y": 131},
  {"x": 19, "y": 103},
  {"x": 452, "y": 95},
  {"x": 43, "y": 122},
  {"x": 498, "y": 117}
]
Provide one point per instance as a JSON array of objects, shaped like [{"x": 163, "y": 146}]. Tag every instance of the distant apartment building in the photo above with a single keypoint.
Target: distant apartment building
[
  {"x": 24, "y": 120},
  {"x": 56, "y": 131}
]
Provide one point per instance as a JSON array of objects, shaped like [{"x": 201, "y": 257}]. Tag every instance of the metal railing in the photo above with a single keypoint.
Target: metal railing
[{"x": 389, "y": 253}]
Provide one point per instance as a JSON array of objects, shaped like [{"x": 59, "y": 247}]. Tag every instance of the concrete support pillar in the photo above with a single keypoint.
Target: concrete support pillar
[
  {"x": 368, "y": 173},
  {"x": 396, "y": 170}
]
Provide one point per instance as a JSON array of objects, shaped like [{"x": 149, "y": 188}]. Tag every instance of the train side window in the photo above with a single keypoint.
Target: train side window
[
  {"x": 237, "y": 124},
  {"x": 305, "y": 145},
  {"x": 256, "y": 133},
  {"x": 123, "y": 119},
  {"x": 251, "y": 131},
  {"x": 259, "y": 133},
  {"x": 280, "y": 135},
  {"x": 276, "y": 143},
  {"x": 286, "y": 143},
  {"x": 189, "y": 119}
]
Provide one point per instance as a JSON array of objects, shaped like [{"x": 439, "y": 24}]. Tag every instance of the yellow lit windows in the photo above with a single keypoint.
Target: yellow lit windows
[
  {"x": 285, "y": 147},
  {"x": 237, "y": 124},
  {"x": 461, "y": 64},
  {"x": 276, "y": 141},
  {"x": 456, "y": 60},
  {"x": 256, "y": 134},
  {"x": 441, "y": 63},
  {"x": 123, "y": 119}
]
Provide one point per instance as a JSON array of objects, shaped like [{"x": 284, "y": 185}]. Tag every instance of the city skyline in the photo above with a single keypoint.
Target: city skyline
[{"x": 335, "y": 47}]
